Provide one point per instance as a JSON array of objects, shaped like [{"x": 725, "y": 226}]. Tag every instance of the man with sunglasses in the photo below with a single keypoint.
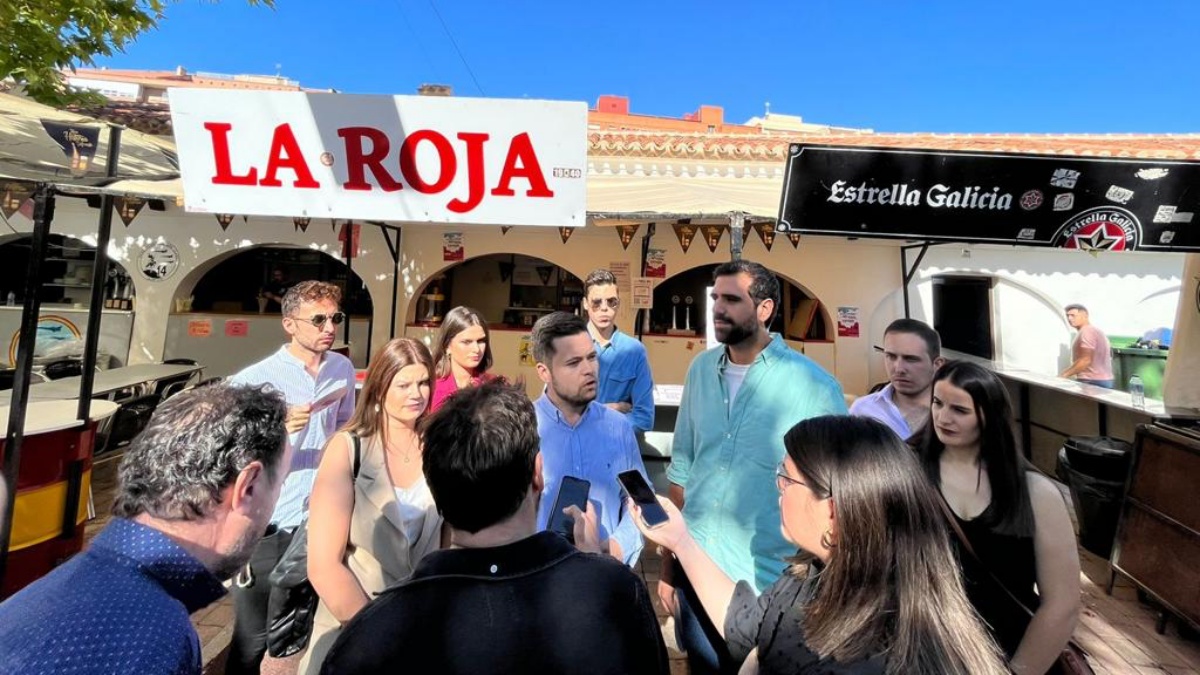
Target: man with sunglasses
[
  {"x": 625, "y": 384},
  {"x": 310, "y": 377}
]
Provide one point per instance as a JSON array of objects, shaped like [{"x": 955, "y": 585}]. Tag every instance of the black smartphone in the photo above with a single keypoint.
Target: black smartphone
[
  {"x": 639, "y": 491},
  {"x": 571, "y": 490}
]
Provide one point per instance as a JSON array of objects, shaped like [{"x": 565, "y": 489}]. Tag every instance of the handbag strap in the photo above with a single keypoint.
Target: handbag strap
[
  {"x": 357, "y": 454},
  {"x": 962, "y": 537}
]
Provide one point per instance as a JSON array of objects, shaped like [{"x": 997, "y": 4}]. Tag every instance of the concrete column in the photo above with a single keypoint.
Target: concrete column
[{"x": 1181, "y": 384}]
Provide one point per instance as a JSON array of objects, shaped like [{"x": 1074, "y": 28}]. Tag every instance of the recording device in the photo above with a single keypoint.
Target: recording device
[
  {"x": 574, "y": 491},
  {"x": 639, "y": 491}
]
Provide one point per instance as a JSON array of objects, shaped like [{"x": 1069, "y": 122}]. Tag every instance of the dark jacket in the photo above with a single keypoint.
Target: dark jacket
[{"x": 534, "y": 606}]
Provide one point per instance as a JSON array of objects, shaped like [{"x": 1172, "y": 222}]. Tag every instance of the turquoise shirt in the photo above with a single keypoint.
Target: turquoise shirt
[{"x": 726, "y": 460}]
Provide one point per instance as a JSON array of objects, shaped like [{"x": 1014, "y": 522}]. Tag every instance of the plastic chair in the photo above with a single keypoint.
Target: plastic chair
[{"x": 130, "y": 419}]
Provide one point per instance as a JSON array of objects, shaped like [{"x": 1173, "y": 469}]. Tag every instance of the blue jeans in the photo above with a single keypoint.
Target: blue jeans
[
  {"x": 1107, "y": 384},
  {"x": 696, "y": 634}
]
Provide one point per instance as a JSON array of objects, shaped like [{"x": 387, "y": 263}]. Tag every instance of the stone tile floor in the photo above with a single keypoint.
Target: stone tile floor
[{"x": 1118, "y": 631}]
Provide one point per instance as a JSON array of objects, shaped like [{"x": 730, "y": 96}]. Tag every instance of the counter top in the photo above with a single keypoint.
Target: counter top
[
  {"x": 42, "y": 417},
  {"x": 1110, "y": 397},
  {"x": 108, "y": 381}
]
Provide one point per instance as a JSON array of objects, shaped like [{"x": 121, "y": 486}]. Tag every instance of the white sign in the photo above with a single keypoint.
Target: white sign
[
  {"x": 643, "y": 293},
  {"x": 399, "y": 158}
]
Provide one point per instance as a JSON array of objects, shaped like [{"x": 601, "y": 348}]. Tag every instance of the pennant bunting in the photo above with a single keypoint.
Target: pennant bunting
[
  {"x": 224, "y": 219},
  {"x": 565, "y": 233},
  {"x": 685, "y": 234},
  {"x": 626, "y": 233},
  {"x": 766, "y": 232},
  {"x": 128, "y": 208},
  {"x": 712, "y": 236}
]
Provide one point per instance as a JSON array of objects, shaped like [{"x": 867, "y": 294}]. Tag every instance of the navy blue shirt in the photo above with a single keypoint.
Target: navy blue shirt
[{"x": 122, "y": 606}]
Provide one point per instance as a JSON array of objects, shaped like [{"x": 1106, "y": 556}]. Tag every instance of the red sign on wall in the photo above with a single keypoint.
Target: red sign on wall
[{"x": 237, "y": 328}]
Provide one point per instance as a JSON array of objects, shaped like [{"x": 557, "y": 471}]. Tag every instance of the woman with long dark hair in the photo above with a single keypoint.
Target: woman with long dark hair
[
  {"x": 463, "y": 354},
  {"x": 875, "y": 588},
  {"x": 371, "y": 515},
  {"x": 1015, "y": 519}
]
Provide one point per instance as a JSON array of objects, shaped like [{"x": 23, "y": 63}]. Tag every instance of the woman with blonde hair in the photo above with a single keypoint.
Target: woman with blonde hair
[
  {"x": 875, "y": 588},
  {"x": 371, "y": 516},
  {"x": 462, "y": 355}
]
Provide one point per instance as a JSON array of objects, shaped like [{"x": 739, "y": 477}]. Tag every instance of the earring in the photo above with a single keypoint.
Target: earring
[
  {"x": 827, "y": 540},
  {"x": 376, "y": 407}
]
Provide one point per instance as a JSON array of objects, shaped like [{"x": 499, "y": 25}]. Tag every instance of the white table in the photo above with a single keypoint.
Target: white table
[
  {"x": 42, "y": 417},
  {"x": 107, "y": 382}
]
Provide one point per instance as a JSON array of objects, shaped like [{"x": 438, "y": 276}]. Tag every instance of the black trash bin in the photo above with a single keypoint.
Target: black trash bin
[{"x": 1095, "y": 468}]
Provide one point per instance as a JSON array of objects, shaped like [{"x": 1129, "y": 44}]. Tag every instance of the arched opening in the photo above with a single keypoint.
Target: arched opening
[
  {"x": 511, "y": 290},
  {"x": 66, "y": 272},
  {"x": 238, "y": 283},
  {"x": 800, "y": 315}
]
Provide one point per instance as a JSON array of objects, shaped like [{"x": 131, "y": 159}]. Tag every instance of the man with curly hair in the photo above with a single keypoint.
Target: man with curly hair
[{"x": 195, "y": 491}]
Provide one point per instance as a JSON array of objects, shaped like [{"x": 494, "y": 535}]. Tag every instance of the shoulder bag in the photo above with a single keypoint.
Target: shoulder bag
[
  {"x": 293, "y": 601},
  {"x": 1073, "y": 660}
]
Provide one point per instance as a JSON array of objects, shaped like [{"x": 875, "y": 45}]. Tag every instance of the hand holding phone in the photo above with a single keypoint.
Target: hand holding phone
[{"x": 572, "y": 491}]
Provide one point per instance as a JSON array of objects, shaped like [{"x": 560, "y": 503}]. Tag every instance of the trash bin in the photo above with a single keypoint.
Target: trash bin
[{"x": 1095, "y": 468}]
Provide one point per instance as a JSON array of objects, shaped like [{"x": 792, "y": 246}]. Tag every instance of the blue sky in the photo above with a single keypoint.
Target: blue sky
[{"x": 905, "y": 65}]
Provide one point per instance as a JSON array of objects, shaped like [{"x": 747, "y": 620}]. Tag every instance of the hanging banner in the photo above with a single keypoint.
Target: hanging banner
[
  {"x": 1088, "y": 203},
  {"x": 712, "y": 236},
  {"x": 794, "y": 237},
  {"x": 452, "y": 246},
  {"x": 301, "y": 224},
  {"x": 15, "y": 194},
  {"x": 403, "y": 158},
  {"x": 224, "y": 219},
  {"x": 78, "y": 143},
  {"x": 656, "y": 263},
  {"x": 565, "y": 233},
  {"x": 626, "y": 232},
  {"x": 685, "y": 234},
  {"x": 766, "y": 232}
]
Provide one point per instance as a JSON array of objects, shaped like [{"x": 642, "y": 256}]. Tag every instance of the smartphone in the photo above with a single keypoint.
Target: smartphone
[
  {"x": 639, "y": 491},
  {"x": 572, "y": 490}
]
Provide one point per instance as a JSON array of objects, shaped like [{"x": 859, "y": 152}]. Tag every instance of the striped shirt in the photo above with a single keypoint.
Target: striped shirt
[{"x": 286, "y": 374}]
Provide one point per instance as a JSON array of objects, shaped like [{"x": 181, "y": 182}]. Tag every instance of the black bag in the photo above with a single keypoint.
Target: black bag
[{"x": 293, "y": 601}]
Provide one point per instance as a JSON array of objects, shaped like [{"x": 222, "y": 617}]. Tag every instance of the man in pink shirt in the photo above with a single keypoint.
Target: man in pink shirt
[{"x": 1091, "y": 355}]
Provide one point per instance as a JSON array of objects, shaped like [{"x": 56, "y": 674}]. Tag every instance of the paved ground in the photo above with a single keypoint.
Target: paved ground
[{"x": 1117, "y": 630}]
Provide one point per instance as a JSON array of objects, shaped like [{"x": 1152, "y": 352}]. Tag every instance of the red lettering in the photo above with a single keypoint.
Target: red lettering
[
  {"x": 220, "y": 142},
  {"x": 521, "y": 150},
  {"x": 285, "y": 154},
  {"x": 358, "y": 160},
  {"x": 446, "y": 158},
  {"x": 475, "y": 186}
]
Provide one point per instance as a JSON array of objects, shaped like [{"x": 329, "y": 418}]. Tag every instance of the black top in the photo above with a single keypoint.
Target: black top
[
  {"x": 1009, "y": 558},
  {"x": 771, "y": 622},
  {"x": 279, "y": 288},
  {"x": 534, "y": 606}
]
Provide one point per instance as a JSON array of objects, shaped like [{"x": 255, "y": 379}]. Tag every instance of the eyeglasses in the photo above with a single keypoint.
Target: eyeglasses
[
  {"x": 319, "y": 320},
  {"x": 611, "y": 302},
  {"x": 784, "y": 481}
]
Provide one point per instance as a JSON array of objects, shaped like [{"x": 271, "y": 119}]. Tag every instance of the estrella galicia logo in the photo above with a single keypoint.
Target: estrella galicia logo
[{"x": 1103, "y": 228}]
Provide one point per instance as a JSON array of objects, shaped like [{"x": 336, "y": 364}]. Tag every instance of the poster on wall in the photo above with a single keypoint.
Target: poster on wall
[
  {"x": 237, "y": 328},
  {"x": 159, "y": 262},
  {"x": 643, "y": 293},
  {"x": 847, "y": 323},
  {"x": 452, "y": 246},
  {"x": 525, "y": 351},
  {"x": 621, "y": 270},
  {"x": 656, "y": 263},
  {"x": 1085, "y": 203},
  {"x": 430, "y": 159},
  {"x": 200, "y": 328}
]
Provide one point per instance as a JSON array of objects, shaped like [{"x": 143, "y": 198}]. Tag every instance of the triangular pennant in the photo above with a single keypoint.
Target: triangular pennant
[
  {"x": 794, "y": 237},
  {"x": 224, "y": 219},
  {"x": 301, "y": 224},
  {"x": 565, "y": 233},
  {"x": 128, "y": 208},
  {"x": 626, "y": 232},
  {"x": 685, "y": 234},
  {"x": 766, "y": 232},
  {"x": 544, "y": 272},
  {"x": 504, "y": 229},
  {"x": 245, "y": 219},
  {"x": 506, "y": 270},
  {"x": 712, "y": 236},
  {"x": 14, "y": 196}
]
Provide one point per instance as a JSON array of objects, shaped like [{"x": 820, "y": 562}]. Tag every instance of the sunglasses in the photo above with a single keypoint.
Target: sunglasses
[
  {"x": 611, "y": 302},
  {"x": 319, "y": 320}
]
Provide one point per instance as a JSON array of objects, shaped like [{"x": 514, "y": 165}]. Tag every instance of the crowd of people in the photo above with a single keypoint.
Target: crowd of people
[{"x": 801, "y": 537}]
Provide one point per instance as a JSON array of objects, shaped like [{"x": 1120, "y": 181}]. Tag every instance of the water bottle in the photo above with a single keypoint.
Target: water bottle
[
  {"x": 12, "y": 299},
  {"x": 1137, "y": 392}
]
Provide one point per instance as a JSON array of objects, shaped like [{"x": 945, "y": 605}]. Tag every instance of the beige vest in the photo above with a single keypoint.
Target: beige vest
[{"x": 378, "y": 553}]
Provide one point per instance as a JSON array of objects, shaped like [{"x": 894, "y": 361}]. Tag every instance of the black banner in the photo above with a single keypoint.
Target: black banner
[
  {"x": 1090, "y": 203},
  {"x": 78, "y": 143}
]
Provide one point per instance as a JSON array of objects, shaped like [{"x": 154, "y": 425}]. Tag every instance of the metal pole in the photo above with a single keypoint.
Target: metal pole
[
  {"x": 904, "y": 278},
  {"x": 99, "y": 276},
  {"x": 43, "y": 213},
  {"x": 348, "y": 252},
  {"x": 736, "y": 221},
  {"x": 638, "y": 317}
]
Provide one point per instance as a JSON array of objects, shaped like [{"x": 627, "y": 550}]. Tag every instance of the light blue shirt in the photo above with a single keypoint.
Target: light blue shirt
[
  {"x": 882, "y": 407},
  {"x": 286, "y": 374},
  {"x": 625, "y": 378},
  {"x": 726, "y": 458},
  {"x": 599, "y": 446}
]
